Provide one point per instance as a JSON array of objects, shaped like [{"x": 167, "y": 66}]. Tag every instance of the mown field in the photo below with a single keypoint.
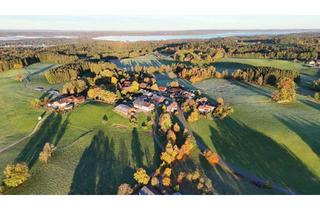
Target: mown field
[
  {"x": 91, "y": 157},
  {"x": 278, "y": 143}
]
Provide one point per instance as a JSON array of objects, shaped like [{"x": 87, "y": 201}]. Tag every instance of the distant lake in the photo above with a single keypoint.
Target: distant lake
[
  {"x": 22, "y": 37},
  {"x": 134, "y": 38}
]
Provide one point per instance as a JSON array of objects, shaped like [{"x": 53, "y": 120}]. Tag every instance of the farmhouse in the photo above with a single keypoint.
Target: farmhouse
[
  {"x": 66, "y": 103},
  {"x": 73, "y": 99},
  {"x": 157, "y": 99},
  {"x": 124, "y": 110},
  {"x": 205, "y": 108},
  {"x": 162, "y": 88},
  {"x": 188, "y": 94},
  {"x": 142, "y": 105}
]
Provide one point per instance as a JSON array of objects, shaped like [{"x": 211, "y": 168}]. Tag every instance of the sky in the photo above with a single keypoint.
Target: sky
[{"x": 159, "y": 22}]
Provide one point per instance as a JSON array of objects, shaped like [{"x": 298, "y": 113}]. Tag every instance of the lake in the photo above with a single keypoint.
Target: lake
[{"x": 134, "y": 38}]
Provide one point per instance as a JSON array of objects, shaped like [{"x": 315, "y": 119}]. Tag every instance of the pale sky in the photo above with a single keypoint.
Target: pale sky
[{"x": 181, "y": 22}]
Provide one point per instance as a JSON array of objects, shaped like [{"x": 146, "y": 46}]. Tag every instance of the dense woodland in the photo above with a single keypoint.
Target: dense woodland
[{"x": 304, "y": 47}]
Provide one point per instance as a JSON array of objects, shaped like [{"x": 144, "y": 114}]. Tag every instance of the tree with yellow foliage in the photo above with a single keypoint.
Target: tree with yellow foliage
[
  {"x": 165, "y": 122},
  {"x": 170, "y": 153},
  {"x": 171, "y": 136},
  {"x": 154, "y": 181},
  {"x": 16, "y": 174},
  {"x": 166, "y": 181},
  {"x": 141, "y": 176}
]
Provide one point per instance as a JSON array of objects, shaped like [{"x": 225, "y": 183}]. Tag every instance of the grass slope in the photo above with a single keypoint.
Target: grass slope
[{"x": 277, "y": 142}]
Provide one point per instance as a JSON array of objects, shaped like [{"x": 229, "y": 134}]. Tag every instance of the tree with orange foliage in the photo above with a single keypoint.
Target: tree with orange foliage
[{"x": 212, "y": 158}]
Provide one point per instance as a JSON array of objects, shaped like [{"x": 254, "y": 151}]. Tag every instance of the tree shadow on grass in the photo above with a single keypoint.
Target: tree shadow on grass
[
  {"x": 231, "y": 66},
  {"x": 311, "y": 104},
  {"x": 308, "y": 131},
  {"x": 50, "y": 131},
  {"x": 228, "y": 184},
  {"x": 261, "y": 156},
  {"x": 99, "y": 170},
  {"x": 136, "y": 148},
  {"x": 253, "y": 88}
]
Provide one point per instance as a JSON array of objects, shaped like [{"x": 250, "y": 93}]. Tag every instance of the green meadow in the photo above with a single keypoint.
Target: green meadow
[
  {"x": 275, "y": 142},
  {"x": 79, "y": 166}
]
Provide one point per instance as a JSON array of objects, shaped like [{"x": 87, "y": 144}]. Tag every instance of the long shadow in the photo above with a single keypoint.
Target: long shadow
[
  {"x": 60, "y": 132},
  {"x": 311, "y": 104},
  {"x": 261, "y": 156},
  {"x": 136, "y": 148},
  {"x": 252, "y": 88},
  {"x": 231, "y": 66},
  {"x": 100, "y": 170},
  {"x": 308, "y": 131},
  {"x": 46, "y": 133}
]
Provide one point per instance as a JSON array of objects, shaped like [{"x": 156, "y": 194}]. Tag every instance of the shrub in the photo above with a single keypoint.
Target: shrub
[
  {"x": 46, "y": 153},
  {"x": 125, "y": 189},
  {"x": 20, "y": 77},
  {"x": 36, "y": 103},
  {"x": 317, "y": 96},
  {"x": 194, "y": 116},
  {"x": 316, "y": 85},
  {"x": 104, "y": 119},
  {"x": 1, "y": 190},
  {"x": 16, "y": 175}
]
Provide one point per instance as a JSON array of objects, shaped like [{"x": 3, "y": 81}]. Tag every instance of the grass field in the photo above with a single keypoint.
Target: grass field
[
  {"x": 235, "y": 63},
  {"x": 16, "y": 115},
  {"x": 91, "y": 158},
  {"x": 277, "y": 142}
]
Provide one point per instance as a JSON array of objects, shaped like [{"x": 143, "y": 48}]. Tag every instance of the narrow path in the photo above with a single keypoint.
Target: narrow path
[
  {"x": 35, "y": 129},
  {"x": 232, "y": 169}
]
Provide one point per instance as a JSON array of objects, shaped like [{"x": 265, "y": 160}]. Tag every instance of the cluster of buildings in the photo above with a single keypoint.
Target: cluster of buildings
[
  {"x": 147, "y": 100},
  {"x": 65, "y": 103},
  {"x": 314, "y": 63}
]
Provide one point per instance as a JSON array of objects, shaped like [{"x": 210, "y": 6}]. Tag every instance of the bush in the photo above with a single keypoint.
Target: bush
[
  {"x": 317, "y": 96},
  {"x": 104, "y": 119},
  {"x": 46, "y": 153},
  {"x": 125, "y": 189},
  {"x": 194, "y": 116},
  {"x": 316, "y": 85},
  {"x": 16, "y": 175},
  {"x": 36, "y": 103},
  {"x": 1, "y": 190}
]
